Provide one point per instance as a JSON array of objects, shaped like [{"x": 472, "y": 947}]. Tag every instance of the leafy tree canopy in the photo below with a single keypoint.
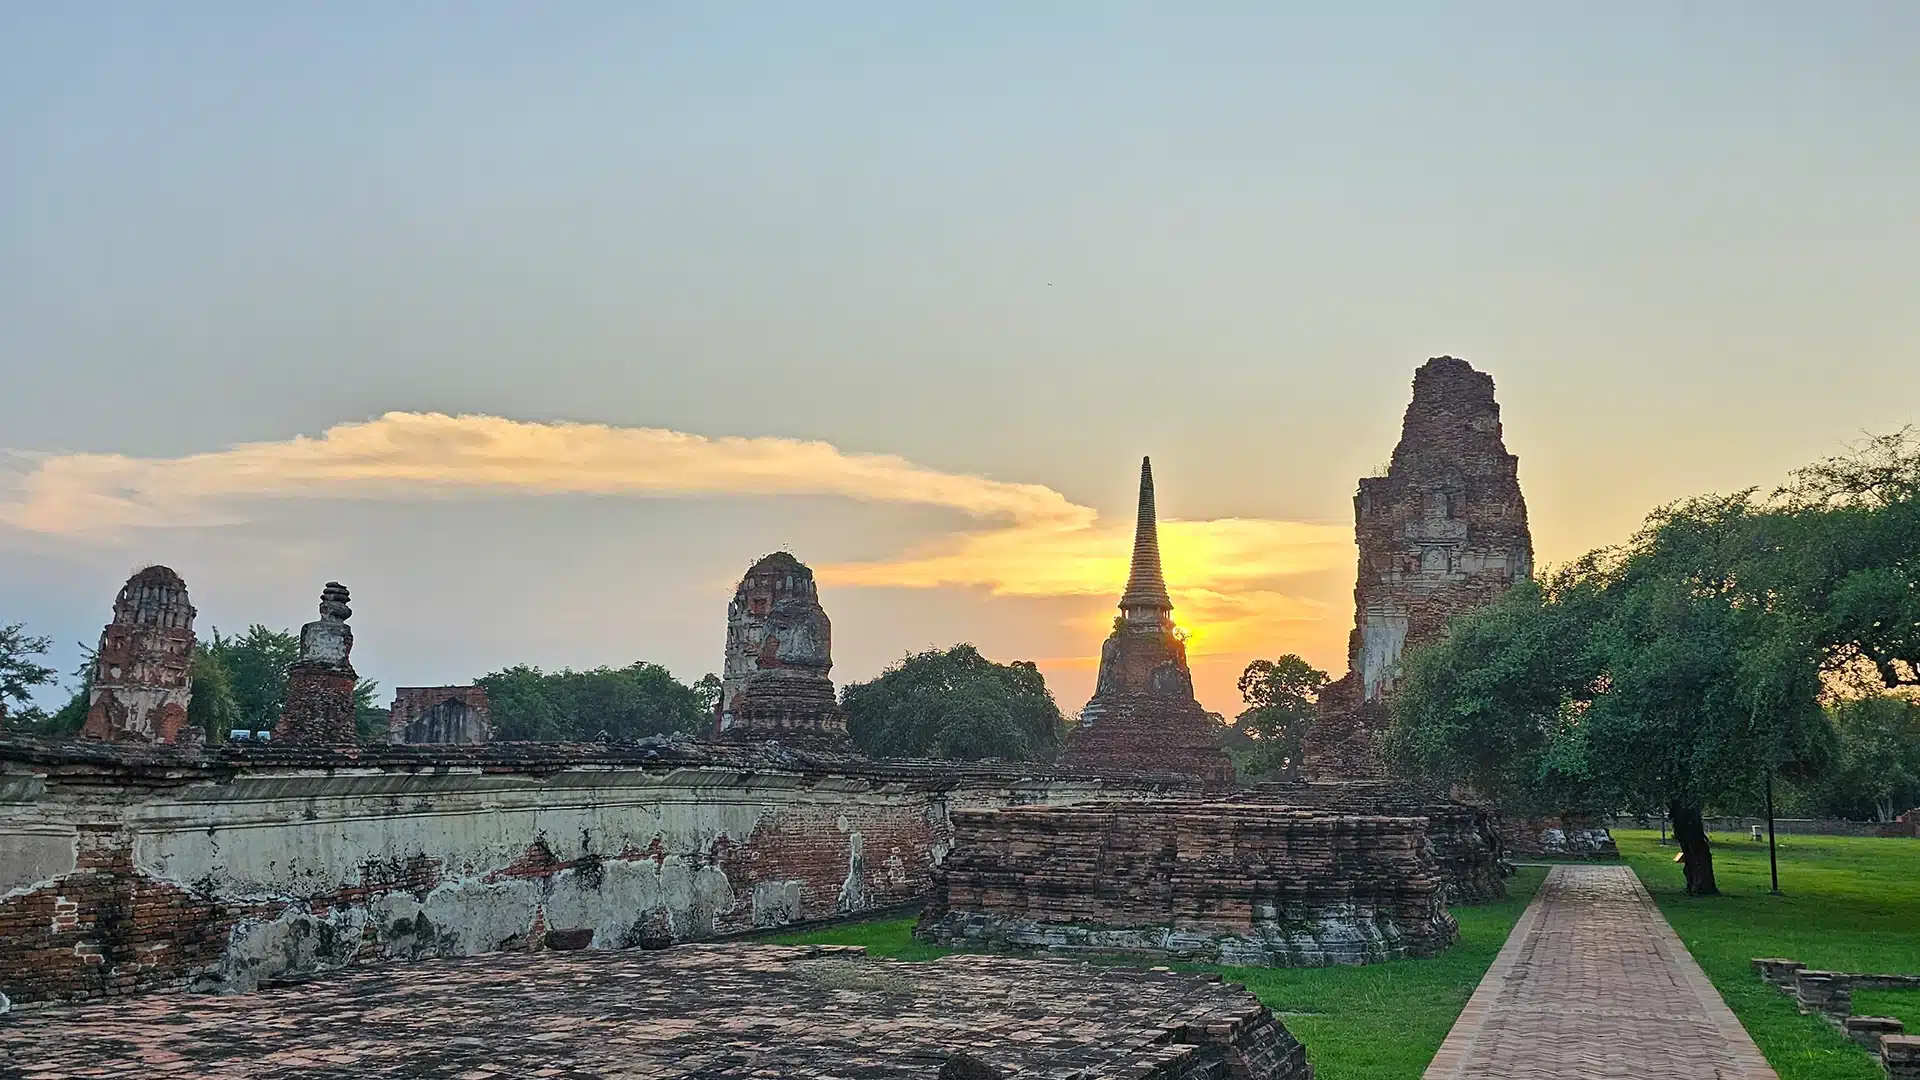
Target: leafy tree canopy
[
  {"x": 1638, "y": 678},
  {"x": 1877, "y": 774},
  {"x": 1690, "y": 665},
  {"x": 212, "y": 708},
  {"x": 955, "y": 704},
  {"x": 20, "y": 672},
  {"x": 626, "y": 703},
  {"x": 1281, "y": 696},
  {"x": 256, "y": 664}
]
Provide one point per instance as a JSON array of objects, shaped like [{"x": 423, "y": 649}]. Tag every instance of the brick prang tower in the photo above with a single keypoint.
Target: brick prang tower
[
  {"x": 142, "y": 671},
  {"x": 1444, "y": 531}
]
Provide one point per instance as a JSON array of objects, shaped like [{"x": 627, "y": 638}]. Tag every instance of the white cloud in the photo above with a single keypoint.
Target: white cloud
[{"x": 1227, "y": 575}]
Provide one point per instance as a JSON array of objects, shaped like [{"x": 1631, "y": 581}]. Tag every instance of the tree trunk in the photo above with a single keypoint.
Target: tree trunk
[{"x": 1696, "y": 855}]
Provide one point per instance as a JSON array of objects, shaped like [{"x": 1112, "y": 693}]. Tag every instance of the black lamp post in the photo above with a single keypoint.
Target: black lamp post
[{"x": 1773, "y": 860}]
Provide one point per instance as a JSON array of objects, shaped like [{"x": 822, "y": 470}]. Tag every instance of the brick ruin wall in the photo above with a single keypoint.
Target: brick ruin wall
[
  {"x": 1467, "y": 841},
  {"x": 1562, "y": 836},
  {"x": 440, "y": 714},
  {"x": 1232, "y": 883},
  {"x": 130, "y": 869}
]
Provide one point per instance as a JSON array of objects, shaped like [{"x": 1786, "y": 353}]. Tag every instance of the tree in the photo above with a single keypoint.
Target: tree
[
  {"x": 627, "y": 703},
  {"x": 1849, "y": 529},
  {"x": 72, "y": 716},
  {"x": 1877, "y": 774},
  {"x": 256, "y": 664},
  {"x": 20, "y": 673},
  {"x": 212, "y": 707},
  {"x": 1635, "y": 678},
  {"x": 708, "y": 687},
  {"x": 955, "y": 704},
  {"x": 1281, "y": 696},
  {"x": 369, "y": 716}
]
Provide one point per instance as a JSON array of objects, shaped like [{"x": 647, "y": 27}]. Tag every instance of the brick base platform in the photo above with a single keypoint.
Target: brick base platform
[
  {"x": 692, "y": 1011},
  {"x": 1233, "y": 883}
]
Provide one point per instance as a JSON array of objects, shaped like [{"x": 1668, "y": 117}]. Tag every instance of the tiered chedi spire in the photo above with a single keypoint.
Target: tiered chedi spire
[
  {"x": 1145, "y": 601},
  {"x": 1143, "y": 716},
  {"x": 775, "y": 683}
]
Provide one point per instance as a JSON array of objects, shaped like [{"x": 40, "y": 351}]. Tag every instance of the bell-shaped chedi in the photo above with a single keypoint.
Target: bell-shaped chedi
[
  {"x": 142, "y": 677},
  {"x": 319, "y": 707},
  {"x": 775, "y": 683},
  {"x": 1143, "y": 715},
  {"x": 1443, "y": 532}
]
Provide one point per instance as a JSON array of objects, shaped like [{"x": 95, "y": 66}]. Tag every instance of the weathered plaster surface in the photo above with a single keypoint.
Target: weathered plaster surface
[{"x": 249, "y": 871}]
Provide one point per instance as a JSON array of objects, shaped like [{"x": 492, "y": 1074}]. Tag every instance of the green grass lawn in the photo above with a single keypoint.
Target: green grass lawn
[
  {"x": 1902, "y": 1005},
  {"x": 1377, "y": 1022},
  {"x": 1849, "y": 904}
]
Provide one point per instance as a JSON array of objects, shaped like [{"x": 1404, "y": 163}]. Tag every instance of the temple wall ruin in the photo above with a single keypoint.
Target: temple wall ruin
[
  {"x": 1233, "y": 883},
  {"x": 124, "y": 869}
]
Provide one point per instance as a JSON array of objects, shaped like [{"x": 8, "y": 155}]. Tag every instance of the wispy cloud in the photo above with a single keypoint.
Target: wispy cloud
[
  {"x": 403, "y": 455},
  {"x": 1228, "y": 575}
]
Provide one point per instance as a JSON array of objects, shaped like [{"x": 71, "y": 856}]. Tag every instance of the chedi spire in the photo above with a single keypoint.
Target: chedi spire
[
  {"x": 319, "y": 709},
  {"x": 775, "y": 682},
  {"x": 1143, "y": 716},
  {"x": 1145, "y": 599}
]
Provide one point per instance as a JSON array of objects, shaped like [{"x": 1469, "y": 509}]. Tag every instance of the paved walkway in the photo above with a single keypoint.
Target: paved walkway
[{"x": 1593, "y": 983}]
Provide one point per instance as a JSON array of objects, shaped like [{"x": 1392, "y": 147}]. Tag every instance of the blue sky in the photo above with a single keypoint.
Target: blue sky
[{"x": 997, "y": 242}]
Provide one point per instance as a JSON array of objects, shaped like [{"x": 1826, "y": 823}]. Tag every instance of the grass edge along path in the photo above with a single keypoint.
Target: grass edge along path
[
  {"x": 1850, "y": 903},
  {"x": 1371, "y": 1022}
]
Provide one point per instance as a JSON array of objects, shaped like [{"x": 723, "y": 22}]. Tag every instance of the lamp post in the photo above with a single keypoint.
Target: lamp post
[{"x": 1773, "y": 861}]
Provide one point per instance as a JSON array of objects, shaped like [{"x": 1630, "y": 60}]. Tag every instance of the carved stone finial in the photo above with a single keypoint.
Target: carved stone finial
[{"x": 333, "y": 603}]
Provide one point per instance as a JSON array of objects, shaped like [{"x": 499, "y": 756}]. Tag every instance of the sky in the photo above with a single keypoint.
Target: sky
[{"x": 536, "y": 326}]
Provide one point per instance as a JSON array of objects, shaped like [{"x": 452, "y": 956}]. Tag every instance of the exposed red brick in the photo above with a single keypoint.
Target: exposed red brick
[
  {"x": 142, "y": 671},
  {"x": 779, "y": 653},
  {"x": 1442, "y": 532}
]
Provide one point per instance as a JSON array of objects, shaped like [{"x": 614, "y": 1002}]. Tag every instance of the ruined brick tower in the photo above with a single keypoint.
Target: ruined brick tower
[
  {"x": 445, "y": 715},
  {"x": 319, "y": 708},
  {"x": 775, "y": 683},
  {"x": 142, "y": 671},
  {"x": 1444, "y": 531},
  {"x": 1143, "y": 715}
]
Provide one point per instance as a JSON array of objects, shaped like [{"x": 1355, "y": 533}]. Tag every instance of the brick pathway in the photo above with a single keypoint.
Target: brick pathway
[{"x": 1593, "y": 983}]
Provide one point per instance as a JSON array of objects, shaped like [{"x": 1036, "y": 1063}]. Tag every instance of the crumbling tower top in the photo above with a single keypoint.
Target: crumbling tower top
[{"x": 142, "y": 671}]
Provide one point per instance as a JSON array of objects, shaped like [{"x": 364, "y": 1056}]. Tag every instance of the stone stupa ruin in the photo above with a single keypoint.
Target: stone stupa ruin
[
  {"x": 775, "y": 683},
  {"x": 1143, "y": 715},
  {"x": 142, "y": 671},
  {"x": 1442, "y": 532}
]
